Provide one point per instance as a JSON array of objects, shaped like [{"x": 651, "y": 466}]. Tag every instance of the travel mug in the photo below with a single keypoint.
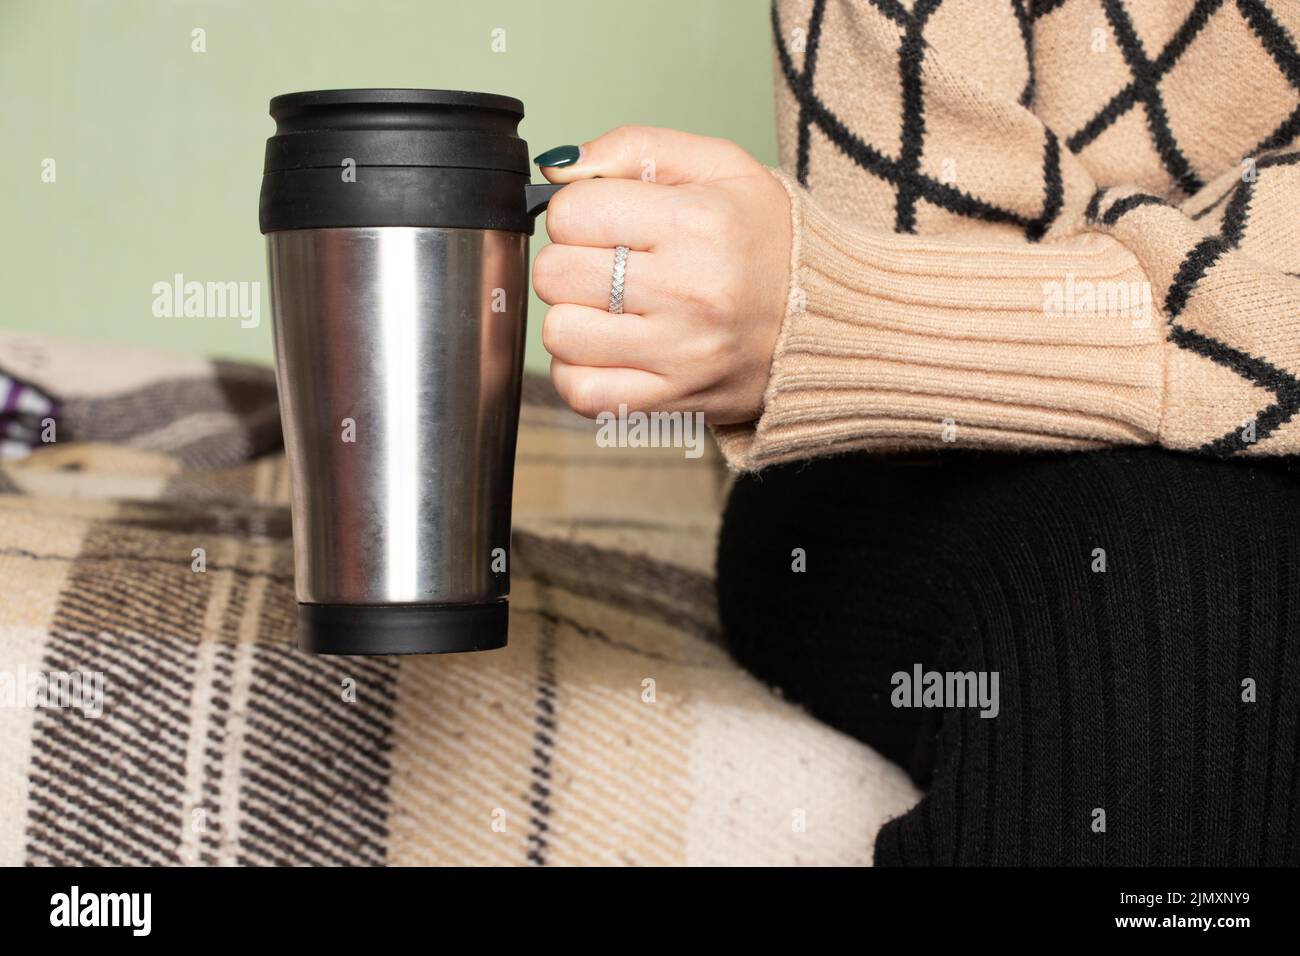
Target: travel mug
[{"x": 397, "y": 225}]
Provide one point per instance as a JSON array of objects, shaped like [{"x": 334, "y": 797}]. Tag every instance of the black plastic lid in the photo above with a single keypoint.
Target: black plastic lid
[
  {"x": 396, "y": 128},
  {"x": 412, "y": 158}
]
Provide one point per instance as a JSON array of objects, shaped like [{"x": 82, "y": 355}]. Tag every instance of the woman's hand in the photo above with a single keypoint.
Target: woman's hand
[{"x": 706, "y": 283}]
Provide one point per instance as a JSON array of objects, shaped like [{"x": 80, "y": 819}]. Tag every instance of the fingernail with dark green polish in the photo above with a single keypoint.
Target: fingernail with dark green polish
[{"x": 559, "y": 156}]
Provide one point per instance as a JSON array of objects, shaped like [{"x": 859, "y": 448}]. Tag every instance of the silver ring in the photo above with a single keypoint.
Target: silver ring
[{"x": 620, "y": 277}]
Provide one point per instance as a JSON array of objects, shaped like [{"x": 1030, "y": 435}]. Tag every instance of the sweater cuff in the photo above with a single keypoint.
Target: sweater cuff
[{"x": 894, "y": 342}]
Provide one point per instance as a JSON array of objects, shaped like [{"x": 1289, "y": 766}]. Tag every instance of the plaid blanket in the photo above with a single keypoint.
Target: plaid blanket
[{"x": 154, "y": 709}]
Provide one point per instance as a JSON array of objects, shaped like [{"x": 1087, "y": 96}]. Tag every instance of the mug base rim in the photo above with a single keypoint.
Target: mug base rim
[{"x": 388, "y": 629}]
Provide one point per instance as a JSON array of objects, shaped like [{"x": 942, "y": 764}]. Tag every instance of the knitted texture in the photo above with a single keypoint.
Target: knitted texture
[
  {"x": 1054, "y": 225},
  {"x": 1139, "y": 607}
]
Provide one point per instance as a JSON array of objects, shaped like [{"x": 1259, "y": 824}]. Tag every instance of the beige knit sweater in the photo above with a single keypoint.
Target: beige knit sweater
[{"x": 1058, "y": 224}]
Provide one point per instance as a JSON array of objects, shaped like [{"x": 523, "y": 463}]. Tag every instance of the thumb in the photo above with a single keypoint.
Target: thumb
[{"x": 648, "y": 153}]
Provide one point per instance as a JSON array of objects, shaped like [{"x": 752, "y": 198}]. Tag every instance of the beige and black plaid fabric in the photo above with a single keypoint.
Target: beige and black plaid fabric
[{"x": 614, "y": 729}]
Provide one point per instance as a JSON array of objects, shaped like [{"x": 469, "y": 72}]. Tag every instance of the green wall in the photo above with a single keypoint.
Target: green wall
[{"x": 158, "y": 149}]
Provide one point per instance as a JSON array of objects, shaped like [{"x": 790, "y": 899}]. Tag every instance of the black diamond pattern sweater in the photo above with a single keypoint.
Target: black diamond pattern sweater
[{"x": 1061, "y": 224}]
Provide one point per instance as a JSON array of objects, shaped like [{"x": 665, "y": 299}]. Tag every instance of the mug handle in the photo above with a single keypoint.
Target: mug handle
[{"x": 537, "y": 195}]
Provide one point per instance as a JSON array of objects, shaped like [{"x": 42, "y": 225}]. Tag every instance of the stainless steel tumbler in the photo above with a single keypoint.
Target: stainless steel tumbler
[{"x": 397, "y": 225}]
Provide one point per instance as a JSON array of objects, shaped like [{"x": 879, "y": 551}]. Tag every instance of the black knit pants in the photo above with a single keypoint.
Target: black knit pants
[{"x": 1149, "y": 713}]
